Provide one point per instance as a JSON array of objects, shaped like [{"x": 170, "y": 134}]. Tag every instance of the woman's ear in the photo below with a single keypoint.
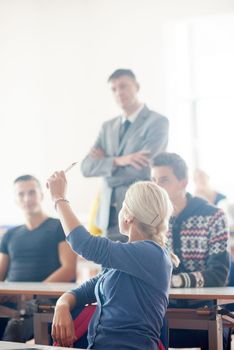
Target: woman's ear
[{"x": 129, "y": 219}]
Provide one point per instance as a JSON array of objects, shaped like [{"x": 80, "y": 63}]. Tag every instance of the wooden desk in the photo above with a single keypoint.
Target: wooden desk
[
  {"x": 208, "y": 320},
  {"x": 19, "y": 346},
  {"x": 56, "y": 289},
  {"x": 177, "y": 318},
  {"x": 41, "y": 320},
  {"x": 217, "y": 293},
  {"x": 36, "y": 288}
]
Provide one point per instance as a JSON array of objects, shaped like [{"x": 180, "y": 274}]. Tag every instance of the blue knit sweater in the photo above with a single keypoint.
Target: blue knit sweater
[{"x": 131, "y": 293}]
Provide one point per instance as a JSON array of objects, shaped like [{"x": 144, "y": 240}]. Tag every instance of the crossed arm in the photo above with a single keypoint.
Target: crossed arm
[{"x": 113, "y": 167}]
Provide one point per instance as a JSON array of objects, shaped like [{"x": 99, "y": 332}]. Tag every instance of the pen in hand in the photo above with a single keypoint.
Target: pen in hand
[
  {"x": 70, "y": 167},
  {"x": 65, "y": 171}
]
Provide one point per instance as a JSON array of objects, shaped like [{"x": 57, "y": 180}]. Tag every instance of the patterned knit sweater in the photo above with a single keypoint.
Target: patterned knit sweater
[{"x": 199, "y": 237}]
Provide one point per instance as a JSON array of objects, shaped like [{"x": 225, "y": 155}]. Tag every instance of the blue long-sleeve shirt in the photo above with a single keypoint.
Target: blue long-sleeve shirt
[{"x": 131, "y": 293}]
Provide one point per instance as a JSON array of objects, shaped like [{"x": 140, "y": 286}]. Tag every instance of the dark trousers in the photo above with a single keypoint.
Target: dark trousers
[
  {"x": 3, "y": 324},
  {"x": 20, "y": 329}
]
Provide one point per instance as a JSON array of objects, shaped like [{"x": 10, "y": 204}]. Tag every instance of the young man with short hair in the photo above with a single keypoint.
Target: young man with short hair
[
  {"x": 198, "y": 235},
  {"x": 36, "y": 251}
]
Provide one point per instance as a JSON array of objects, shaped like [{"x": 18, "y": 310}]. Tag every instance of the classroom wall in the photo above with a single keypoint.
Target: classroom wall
[{"x": 55, "y": 58}]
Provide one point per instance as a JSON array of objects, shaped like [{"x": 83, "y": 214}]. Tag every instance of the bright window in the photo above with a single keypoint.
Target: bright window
[{"x": 200, "y": 95}]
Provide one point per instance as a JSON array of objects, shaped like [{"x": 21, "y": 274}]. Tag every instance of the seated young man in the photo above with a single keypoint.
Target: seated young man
[
  {"x": 198, "y": 235},
  {"x": 35, "y": 251}
]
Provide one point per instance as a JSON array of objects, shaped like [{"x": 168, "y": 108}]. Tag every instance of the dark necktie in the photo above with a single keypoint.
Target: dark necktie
[{"x": 123, "y": 129}]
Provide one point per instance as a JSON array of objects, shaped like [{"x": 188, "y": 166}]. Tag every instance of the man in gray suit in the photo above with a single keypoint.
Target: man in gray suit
[{"x": 122, "y": 152}]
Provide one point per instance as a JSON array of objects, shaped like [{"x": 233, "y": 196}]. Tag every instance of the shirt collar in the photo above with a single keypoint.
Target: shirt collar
[{"x": 132, "y": 117}]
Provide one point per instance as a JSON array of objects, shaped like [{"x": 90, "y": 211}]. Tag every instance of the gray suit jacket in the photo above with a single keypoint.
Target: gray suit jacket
[{"x": 148, "y": 132}]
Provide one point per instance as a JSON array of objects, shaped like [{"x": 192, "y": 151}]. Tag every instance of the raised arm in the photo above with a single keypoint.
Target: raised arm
[{"x": 128, "y": 257}]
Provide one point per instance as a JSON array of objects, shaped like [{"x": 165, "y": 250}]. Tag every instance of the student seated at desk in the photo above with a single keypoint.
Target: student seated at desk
[
  {"x": 132, "y": 291},
  {"x": 33, "y": 252},
  {"x": 198, "y": 235}
]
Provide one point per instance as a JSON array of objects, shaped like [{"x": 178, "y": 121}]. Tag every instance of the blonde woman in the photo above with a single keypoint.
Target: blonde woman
[{"x": 132, "y": 291}]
